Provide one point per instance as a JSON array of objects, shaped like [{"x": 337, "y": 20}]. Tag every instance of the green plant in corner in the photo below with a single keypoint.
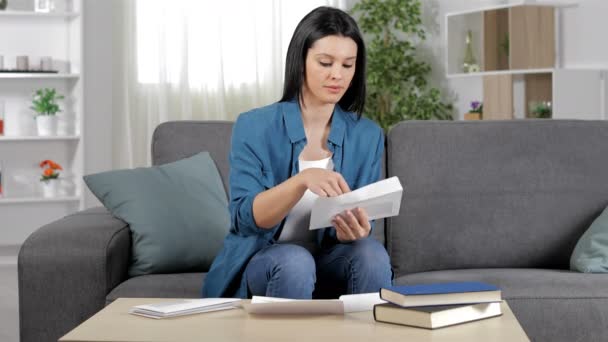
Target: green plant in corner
[
  {"x": 397, "y": 87},
  {"x": 45, "y": 101}
]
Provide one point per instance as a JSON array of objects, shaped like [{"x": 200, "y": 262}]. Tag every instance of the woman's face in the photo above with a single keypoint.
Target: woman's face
[{"x": 330, "y": 67}]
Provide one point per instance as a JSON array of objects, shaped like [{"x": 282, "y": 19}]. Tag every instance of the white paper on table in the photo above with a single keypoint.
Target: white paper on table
[
  {"x": 345, "y": 304},
  {"x": 361, "y": 302},
  {"x": 381, "y": 199},
  {"x": 144, "y": 313},
  {"x": 172, "y": 306},
  {"x": 270, "y": 305},
  {"x": 183, "y": 307}
]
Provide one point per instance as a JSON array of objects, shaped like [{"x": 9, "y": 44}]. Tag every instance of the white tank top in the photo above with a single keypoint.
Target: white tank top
[{"x": 296, "y": 225}]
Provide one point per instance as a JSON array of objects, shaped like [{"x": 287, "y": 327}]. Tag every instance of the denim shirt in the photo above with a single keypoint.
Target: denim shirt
[{"x": 266, "y": 144}]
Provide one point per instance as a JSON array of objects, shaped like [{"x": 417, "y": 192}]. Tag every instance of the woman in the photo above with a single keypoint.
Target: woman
[{"x": 284, "y": 155}]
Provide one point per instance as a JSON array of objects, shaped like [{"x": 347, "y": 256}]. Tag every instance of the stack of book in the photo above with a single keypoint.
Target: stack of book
[{"x": 439, "y": 305}]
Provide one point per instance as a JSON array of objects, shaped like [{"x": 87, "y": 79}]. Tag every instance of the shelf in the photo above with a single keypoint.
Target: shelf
[
  {"x": 32, "y": 14},
  {"x": 557, "y": 4},
  {"x": 18, "y": 200},
  {"x": 34, "y": 75},
  {"x": 60, "y": 35},
  {"x": 502, "y": 72},
  {"x": 38, "y": 138},
  {"x": 506, "y": 38}
]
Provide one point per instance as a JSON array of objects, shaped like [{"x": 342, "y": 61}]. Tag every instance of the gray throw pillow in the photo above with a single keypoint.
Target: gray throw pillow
[
  {"x": 177, "y": 213},
  {"x": 591, "y": 252}
]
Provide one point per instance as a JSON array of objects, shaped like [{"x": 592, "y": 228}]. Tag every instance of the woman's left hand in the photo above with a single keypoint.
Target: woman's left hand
[{"x": 351, "y": 225}]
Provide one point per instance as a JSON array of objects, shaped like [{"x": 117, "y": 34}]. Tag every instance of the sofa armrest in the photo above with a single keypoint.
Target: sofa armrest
[{"x": 66, "y": 269}]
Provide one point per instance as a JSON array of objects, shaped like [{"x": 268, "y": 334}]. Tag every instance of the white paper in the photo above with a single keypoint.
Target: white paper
[
  {"x": 345, "y": 304},
  {"x": 361, "y": 302},
  {"x": 183, "y": 307},
  {"x": 185, "y": 304},
  {"x": 381, "y": 199},
  {"x": 155, "y": 315},
  {"x": 282, "y": 306}
]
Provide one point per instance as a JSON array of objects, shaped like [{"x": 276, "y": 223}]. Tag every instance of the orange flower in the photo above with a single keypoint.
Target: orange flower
[
  {"x": 48, "y": 172},
  {"x": 55, "y": 166},
  {"x": 51, "y": 164}
]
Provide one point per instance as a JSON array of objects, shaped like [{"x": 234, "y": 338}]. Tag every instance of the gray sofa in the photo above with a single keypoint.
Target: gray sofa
[{"x": 501, "y": 202}]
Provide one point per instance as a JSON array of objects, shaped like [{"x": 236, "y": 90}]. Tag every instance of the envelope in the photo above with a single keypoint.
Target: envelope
[{"x": 381, "y": 199}]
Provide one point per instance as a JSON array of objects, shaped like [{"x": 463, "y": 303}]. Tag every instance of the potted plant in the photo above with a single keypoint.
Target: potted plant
[
  {"x": 540, "y": 109},
  {"x": 397, "y": 78},
  {"x": 476, "y": 111},
  {"x": 49, "y": 177},
  {"x": 46, "y": 107}
]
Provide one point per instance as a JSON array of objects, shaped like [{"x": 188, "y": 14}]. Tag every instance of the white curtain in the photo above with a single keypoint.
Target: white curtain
[{"x": 195, "y": 60}]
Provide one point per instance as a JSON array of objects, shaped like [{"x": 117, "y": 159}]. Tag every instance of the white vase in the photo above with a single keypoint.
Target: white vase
[
  {"x": 49, "y": 188},
  {"x": 47, "y": 125}
]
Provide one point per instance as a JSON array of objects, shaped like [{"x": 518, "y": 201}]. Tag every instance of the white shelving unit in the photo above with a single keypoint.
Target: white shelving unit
[
  {"x": 23, "y": 209},
  {"x": 38, "y": 138},
  {"x": 501, "y": 72},
  {"x": 58, "y": 76},
  {"x": 517, "y": 48},
  {"x": 31, "y": 14}
]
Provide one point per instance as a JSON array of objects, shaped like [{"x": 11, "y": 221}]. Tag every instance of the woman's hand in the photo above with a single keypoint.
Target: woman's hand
[
  {"x": 324, "y": 183},
  {"x": 351, "y": 225}
]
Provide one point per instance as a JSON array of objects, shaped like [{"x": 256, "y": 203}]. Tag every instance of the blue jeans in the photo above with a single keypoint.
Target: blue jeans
[{"x": 290, "y": 271}]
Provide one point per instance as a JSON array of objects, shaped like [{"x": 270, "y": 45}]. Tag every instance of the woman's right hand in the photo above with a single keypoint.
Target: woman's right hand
[{"x": 324, "y": 183}]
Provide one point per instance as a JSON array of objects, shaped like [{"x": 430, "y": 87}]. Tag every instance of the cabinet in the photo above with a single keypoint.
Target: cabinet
[
  {"x": 516, "y": 51},
  {"x": 58, "y": 35}
]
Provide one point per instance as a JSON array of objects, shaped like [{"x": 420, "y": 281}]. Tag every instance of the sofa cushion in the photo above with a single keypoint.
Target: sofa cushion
[
  {"x": 550, "y": 305},
  {"x": 175, "y": 140},
  {"x": 177, "y": 213},
  {"x": 591, "y": 252},
  {"x": 489, "y": 194},
  {"x": 177, "y": 285}
]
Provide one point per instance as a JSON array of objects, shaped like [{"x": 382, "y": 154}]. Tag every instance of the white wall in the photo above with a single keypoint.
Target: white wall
[
  {"x": 583, "y": 44},
  {"x": 585, "y": 28}
]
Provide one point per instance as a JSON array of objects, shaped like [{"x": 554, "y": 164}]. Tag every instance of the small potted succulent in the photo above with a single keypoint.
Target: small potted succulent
[
  {"x": 46, "y": 107},
  {"x": 50, "y": 176},
  {"x": 475, "y": 112}
]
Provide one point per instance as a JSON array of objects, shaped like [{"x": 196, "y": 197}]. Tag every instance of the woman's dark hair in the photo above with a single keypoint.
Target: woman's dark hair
[{"x": 321, "y": 22}]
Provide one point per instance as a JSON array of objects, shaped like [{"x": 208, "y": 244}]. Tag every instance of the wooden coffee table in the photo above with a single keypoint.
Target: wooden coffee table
[{"x": 114, "y": 323}]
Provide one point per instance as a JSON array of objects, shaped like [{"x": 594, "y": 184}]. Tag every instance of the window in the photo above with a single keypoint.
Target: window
[{"x": 214, "y": 44}]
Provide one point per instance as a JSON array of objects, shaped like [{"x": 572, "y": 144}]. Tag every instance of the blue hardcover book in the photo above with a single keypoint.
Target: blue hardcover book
[{"x": 441, "y": 294}]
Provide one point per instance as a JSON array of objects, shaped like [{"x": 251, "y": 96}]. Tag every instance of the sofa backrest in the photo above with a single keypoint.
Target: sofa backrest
[
  {"x": 175, "y": 140},
  {"x": 515, "y": 193}
]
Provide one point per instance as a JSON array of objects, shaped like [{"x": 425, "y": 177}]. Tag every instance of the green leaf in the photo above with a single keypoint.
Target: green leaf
[
  {"x": 397, "y": 80},
  {"x": 44, "y": 101}
]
